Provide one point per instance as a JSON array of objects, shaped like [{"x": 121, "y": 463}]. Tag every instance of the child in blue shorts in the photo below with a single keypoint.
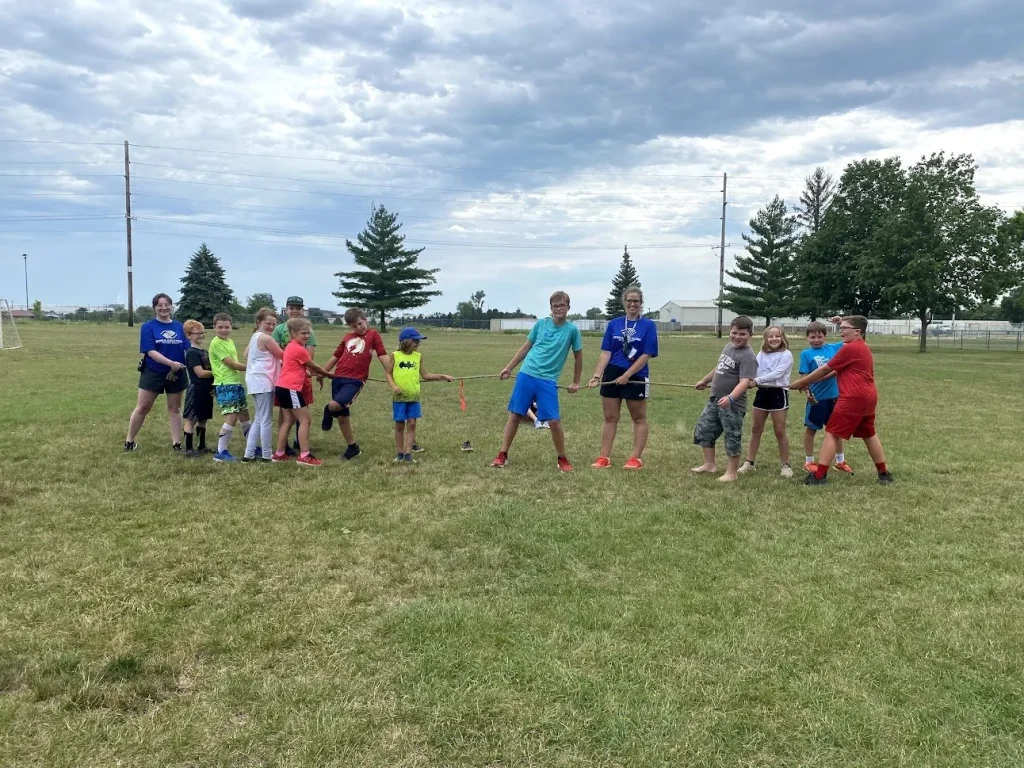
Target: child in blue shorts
[
  {"x": 822, "y": 396},
  {"x": 406, "y": 373},
  {"x": 543, "y": 356}
]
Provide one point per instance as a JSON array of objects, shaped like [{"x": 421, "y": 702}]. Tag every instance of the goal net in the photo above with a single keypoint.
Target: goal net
[{"x": 9, "y": 338}]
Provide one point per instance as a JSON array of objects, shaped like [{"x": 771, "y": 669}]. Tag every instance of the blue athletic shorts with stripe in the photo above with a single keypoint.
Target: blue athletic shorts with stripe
[
  {"x": 403, "y": 411},
  {"x": 527, "y": 389},
  {"x": 817, "y": 414}
]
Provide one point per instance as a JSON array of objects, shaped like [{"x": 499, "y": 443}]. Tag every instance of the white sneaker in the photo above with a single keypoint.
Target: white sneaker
[
  {"x": 541, "y": 425},
  {"x": 787, "y": 471},
  {"x": 747, "y": 467}
]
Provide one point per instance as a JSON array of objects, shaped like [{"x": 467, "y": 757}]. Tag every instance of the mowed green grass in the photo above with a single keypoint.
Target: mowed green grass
[{"x": 157, "y": 612}]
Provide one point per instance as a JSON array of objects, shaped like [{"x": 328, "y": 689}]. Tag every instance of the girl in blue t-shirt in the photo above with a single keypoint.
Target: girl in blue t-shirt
[
  {"x": 629, "y": 342},
  {"x": 163, "y": 343}
]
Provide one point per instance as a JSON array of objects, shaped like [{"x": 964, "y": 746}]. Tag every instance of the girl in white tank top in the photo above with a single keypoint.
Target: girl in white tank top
[{"x": 263, "y": 364}]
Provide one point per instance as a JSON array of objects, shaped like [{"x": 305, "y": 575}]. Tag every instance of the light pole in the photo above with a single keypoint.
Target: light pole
[{"x": 25, "y": 257}]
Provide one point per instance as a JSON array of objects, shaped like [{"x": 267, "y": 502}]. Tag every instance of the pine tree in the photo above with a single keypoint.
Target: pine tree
[
  {"x": 625, "y": 277},
  {"x": 819, "y": 189},
  {"x": 767, "y": 274},
  {"x": 389, "y": 279},
  {"x": 204, "y": 291}
]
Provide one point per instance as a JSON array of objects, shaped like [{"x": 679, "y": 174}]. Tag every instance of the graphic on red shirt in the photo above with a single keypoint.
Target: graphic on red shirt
[
  {"x": 355, "y": 353},
  {"x": 293, "y": 368},
  {"x": 855, "y": 370}
]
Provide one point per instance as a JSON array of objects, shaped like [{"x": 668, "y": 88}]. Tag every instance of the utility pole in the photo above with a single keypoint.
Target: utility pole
[
  {"x": 721, "y": 257},
  {"x": 128, "y": 232},
  {"x": 25, "y": 257}
]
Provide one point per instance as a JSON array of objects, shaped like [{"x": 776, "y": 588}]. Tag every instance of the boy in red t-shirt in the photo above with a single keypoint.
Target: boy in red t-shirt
[
  {"x": 351, "y": 365},
  {"x": 854, "y": 414},
  {"x": 289, "y": 396}
]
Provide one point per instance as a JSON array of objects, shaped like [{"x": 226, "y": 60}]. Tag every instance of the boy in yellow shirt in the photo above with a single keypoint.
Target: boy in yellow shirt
[{"x": 406, "y": 373}]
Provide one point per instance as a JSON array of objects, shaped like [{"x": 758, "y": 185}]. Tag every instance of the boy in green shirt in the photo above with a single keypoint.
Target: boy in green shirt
[
  {"x": 404, "y": 379},
  {"x": 227, "y": 380}
]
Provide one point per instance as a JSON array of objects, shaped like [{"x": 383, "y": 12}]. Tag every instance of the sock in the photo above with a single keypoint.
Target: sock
[
  {"x": 188, "y": 441},
  {"x": 201, "y": 432},
  {"x": 821, "y": 471},
  {"x": 840, "y": 458},
  {"x": 224, "y": 437},
  {"x": 881, "y": 468},
  {"x": 304, "y": 454},
  {"x": 809, "y": 459},
  {"x": 245, "y": 428}
]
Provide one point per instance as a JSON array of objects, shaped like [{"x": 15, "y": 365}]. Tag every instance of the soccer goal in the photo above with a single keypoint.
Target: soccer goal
[{"x": 9, "y": 338}]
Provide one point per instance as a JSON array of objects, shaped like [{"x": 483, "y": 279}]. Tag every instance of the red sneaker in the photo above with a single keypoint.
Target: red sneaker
[
  {"x": 564, "y": 465},
  {"x": 842, "y": 466},
  {"x": 603, "y": 462},
  {"x": 811, "y": 467},
  {"x": 633, "y": 463},
  {"x": 280, "y": 457},
  {"x": 499, "y": 461},
  {"x": 309, "y": 460}
]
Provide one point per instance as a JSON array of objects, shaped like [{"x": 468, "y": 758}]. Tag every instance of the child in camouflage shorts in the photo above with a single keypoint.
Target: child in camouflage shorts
[{"x": 730, "y": 379}]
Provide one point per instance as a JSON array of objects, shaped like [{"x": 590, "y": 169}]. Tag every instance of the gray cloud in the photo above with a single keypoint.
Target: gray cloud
[{"x": 572, "y": 87}]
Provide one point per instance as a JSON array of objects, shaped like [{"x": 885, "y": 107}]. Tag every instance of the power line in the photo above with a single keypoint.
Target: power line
[
  {"x": 362, "y": 197},
  {"x": 81, "y": 217},
  {"x": 430, "y": 218},
  {"x": 50, "y": 194},
  {"x": 61, "y": 175},
  {"x": 68, "y": 143},
  {"x": 362, "y": 184},
  {"x": 59, "y": 162},
  {"x": 275, "y": 231},
  {"x": 420, "y": 165}
]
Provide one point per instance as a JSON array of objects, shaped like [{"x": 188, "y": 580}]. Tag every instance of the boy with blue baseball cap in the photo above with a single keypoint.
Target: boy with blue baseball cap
[{"x": 407, "y": 371}]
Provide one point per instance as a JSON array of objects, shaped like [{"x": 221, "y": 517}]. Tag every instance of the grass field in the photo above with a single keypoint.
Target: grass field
[{"x": 160, "y": 612}]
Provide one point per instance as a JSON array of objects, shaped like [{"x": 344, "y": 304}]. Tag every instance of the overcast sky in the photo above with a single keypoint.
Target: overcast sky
[{"x": 523, "y": 143}]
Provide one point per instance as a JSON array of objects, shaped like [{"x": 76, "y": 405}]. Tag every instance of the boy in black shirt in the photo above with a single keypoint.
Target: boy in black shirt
[{"x": 199, "y": 395}]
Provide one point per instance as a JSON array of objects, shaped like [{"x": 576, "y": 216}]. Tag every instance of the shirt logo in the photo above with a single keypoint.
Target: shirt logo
[
  {"x": 408, "y": 364},
  {"x": 356, "y": 346},
  {"x": 726, "y": 364},
  {"x": 169, "y": 335}
]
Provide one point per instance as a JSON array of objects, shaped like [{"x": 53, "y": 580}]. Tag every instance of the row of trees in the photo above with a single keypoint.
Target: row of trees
[{"x": 884, "y": 241}]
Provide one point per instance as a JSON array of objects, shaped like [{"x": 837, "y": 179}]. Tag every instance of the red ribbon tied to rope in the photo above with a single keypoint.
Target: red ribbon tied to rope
[{"x": 462, "y": 394}]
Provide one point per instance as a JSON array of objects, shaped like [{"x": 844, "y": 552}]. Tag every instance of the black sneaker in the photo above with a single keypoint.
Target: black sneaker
[
  {"x": 203, "y": 451},
  {"x": 130, "y": 447},
  {"x": 289, "y": 451},
  {"x": 328, "y": 420},
  {"x": 813, "y": 479},
  {"x": 467, "y": 447},
  {"x": 177, "y": 447},
  {"x": 418, "y": 448},
  {"x": 884, "y": 478},
  {"x": 246, "y": 460},
  {"x": 192, "y": 453},
  {"x": 351, "y": 452}
]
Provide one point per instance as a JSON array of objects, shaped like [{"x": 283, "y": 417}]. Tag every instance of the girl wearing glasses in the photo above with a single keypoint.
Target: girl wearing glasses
[{"x": 630, "y": 340}]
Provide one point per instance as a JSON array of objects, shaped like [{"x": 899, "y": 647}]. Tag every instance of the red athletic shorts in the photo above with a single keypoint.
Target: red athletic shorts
[
  {"x": 853, "y": 417},
  {"x": 307, "y": 391}
]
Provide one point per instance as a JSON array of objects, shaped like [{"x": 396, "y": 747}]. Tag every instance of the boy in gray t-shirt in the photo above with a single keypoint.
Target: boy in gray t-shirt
[{"x": 730, "y": 379}]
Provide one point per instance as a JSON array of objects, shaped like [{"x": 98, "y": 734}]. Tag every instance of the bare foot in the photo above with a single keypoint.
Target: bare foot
[
  {"x": 727, "y": 478},
  {"x": 704, "y": 468}
]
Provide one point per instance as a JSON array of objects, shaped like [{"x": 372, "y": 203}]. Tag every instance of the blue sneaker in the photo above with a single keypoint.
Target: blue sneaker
[
  {"x": 258, "y": 453},
  {"x": 408, "y": 459},
  {"x": 399, "y": 458},
  {"x": 223, "y": 456}
]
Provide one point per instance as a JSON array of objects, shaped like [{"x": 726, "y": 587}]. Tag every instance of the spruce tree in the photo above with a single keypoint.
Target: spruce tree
[
  {"x": 625, "y": 277},
  {"x": 767, "y": 276},
  {"x": 204, "y": 291},
  {"x": 819, "y": 189},
  {"x": 389, "y": 279}
]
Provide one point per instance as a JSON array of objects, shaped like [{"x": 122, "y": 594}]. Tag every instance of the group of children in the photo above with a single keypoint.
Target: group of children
[
  {"x": 840, "y": 386},
  {"x": 278, "y": 367}
]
